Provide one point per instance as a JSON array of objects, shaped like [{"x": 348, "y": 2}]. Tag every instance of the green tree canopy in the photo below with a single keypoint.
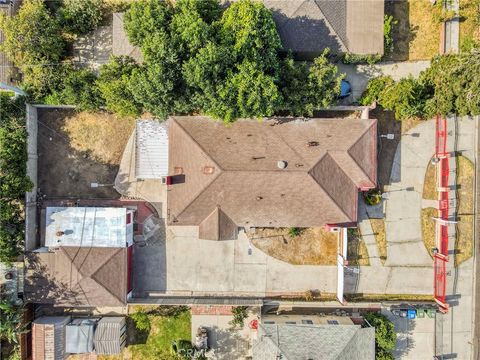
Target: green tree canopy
[
  {"x": 385, "y": 335},
  {"x": 113, "y": 84},
  {"x": 80, "y": 16}
]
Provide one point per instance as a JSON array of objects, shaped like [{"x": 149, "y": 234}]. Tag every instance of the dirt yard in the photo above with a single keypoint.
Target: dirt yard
[
  {"x": 465, "y": 210},
  {"x": 416, "y": 36},
  {"x": 428, "y": 228},
  {"x": 75, "y": 150},
  {"x": 430, "y": 183},
  {"x": 314, "y": 246}
]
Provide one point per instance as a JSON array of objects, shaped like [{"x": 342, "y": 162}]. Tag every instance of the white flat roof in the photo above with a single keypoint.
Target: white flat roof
[
  {"x": 151, "y": 149},
  {"x": 86, "y": 227}
]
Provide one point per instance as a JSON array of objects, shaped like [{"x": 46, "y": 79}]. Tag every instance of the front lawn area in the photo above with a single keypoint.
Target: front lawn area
[
  {"x": 430, "y": 183},
  {"x": 416, "y": 36},
  {"x": 312, "y": 246},
  {"x": 357, "y": 253},
  {"x": 378, "y": 227},
  {"x": 465, "y": 197},
  {"x": 156, "y": 344}
]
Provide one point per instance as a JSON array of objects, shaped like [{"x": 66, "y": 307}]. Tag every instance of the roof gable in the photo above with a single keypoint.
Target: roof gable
[{"x": 217, "y": 226}]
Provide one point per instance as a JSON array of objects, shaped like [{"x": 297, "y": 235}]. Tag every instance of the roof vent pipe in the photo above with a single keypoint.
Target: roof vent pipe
[{"x": 282, "y": 164}]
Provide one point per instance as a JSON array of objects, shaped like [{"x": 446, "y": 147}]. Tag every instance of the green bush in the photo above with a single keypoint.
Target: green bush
[
  {"x": 388, "y": 24},
  {"x": 350, "y": 58},
  {"x": 113, "y": 84},
  {"x": 239, "y": 315},
  {"x": 78, "y": 88},
  {"x": 373, "y": 197},
  {"x": 80, "y": 16},
  {"x": 385, "y": 335},
  {"x": 295, "y": 231},
  {"x": 141, "y": 320},
  {"x": 375, "y": 88}
]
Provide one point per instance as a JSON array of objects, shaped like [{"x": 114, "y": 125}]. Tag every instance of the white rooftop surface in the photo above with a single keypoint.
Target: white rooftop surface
[
  {"x": 151, "y": 149},
  {"x": 86, "y": 227}
]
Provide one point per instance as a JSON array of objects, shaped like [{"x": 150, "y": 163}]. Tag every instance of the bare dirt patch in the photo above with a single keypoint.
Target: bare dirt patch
[
  {"x": 102, "y": 136},
  {"x": 66, "y": 166},
  {"x": 314, "y": 246},
  {"x": 357, "y": 253},
  {"x": 465, "y": 195}
]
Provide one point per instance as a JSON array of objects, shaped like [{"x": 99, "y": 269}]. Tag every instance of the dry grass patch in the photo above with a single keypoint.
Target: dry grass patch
[
  {"x": 428, "y": 228},
  {"x": 102, "y": 136},
  {"x": 469, "y": 24},
  {"x": 430, "y": 183},
  {"x": 378, "y": 227},
  {"x": 357, "y": 253},
  {"x": 465, "y": 210},
  {"x": 314, "y": 246},
  {"x": 416, "y": 36}
]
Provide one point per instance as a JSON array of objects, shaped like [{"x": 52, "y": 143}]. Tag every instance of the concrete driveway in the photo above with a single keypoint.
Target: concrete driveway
[
  {"x": 415, "y": 338},
  {"x": 225, "y": 342},
  {"x": 229, "y": 268}
]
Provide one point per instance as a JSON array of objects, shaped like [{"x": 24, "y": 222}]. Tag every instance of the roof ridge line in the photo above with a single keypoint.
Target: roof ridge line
[
  {"x": 374, "y": 122},
  {"x": 330, "y": 25},
  {"x": 92, "y": 277},
  {"x": 320, "y": 185}
]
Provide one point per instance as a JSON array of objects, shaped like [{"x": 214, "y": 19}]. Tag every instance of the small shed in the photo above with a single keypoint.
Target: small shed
[
  {"x": 110, "y": 335},
  {"x": 79, "y": 336},
  {"x": 48, "y": 337},
  {"x": 151, "y": 149}
]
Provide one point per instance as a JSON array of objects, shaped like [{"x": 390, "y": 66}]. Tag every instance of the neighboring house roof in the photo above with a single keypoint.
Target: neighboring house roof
[
  {"x": 76, "y": 276},
  {"x": 151, "y": 149},
  {"x": 48, "y": 337},
  {"x": 315, "y": 342},
  {"x": 309, "y": 26},
  {"x": 120, "y": 43},
  {"x": 110, "y": 335},
  {"x": 86, "y": 227},
  {"x": 224, "y": 175}
]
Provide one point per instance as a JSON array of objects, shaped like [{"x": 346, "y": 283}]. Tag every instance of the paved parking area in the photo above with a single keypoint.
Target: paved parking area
[
  {"x": 415, "y": 338},
  {"x": 226, "y": 342}
]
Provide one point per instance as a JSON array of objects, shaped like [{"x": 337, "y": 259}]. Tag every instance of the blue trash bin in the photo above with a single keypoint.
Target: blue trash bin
[{"x": 412, "y": 314}]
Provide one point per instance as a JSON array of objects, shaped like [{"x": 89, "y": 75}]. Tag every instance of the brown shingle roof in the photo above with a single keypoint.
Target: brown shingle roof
[
  {"x": 120, "y": 43},
  {"x": 309, "y": 26},
  {"x": 235, "y": 168},
  {"x": 78, "y": 276}
]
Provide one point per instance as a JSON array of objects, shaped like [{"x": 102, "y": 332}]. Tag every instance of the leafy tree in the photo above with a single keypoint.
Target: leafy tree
[
  {"x": 80, "y": 16},
  {"x": 240, "y": 313},
  {"x": 248, "y": 93},
  {"x": 191, "y": 25},
  {"x": 78, "y": 88},
  {"x": 306, "y": 89},
  {"x": 375, "y": 88},
  {"x": 11, "y": 324},
  {"x": 145, "y": 18},
  {"x": 385, "y": 336},
  {"x": 141, "y": 320},
  {"x": 248, "y": 29},
  {"x": 113, "y": 84},
  {"x": 156, "y": 87}
]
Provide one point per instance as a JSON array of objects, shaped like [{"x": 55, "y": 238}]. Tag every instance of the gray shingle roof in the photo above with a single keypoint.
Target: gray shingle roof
[{"x": 315, "y": 342}]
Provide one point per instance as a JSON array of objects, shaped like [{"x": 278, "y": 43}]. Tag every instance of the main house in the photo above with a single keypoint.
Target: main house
[{"x": 273, "y": 173}]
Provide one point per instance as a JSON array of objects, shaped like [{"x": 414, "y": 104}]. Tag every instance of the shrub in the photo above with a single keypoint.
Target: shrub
[
  {"x": 80, "y": 16},
  {"x": 239, "y": 315},
  {"x": 295, "y": 231},
  {"x": 385, "y": 336},
  {"x": 373, "y": 197},
  {"x": 141, "y": 320},
  {"x": 388, "y": 24},
  {"x": 350, "y": 58},
  {"x": 375, "y": 88},
  {"x": 78, "y": 88},
  {"x": 113, "y": 84}
]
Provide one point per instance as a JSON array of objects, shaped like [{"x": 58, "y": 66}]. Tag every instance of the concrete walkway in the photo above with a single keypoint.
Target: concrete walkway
[
  {"x": 404, "y": 203},
  {"x": 360, "y": 75}
]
